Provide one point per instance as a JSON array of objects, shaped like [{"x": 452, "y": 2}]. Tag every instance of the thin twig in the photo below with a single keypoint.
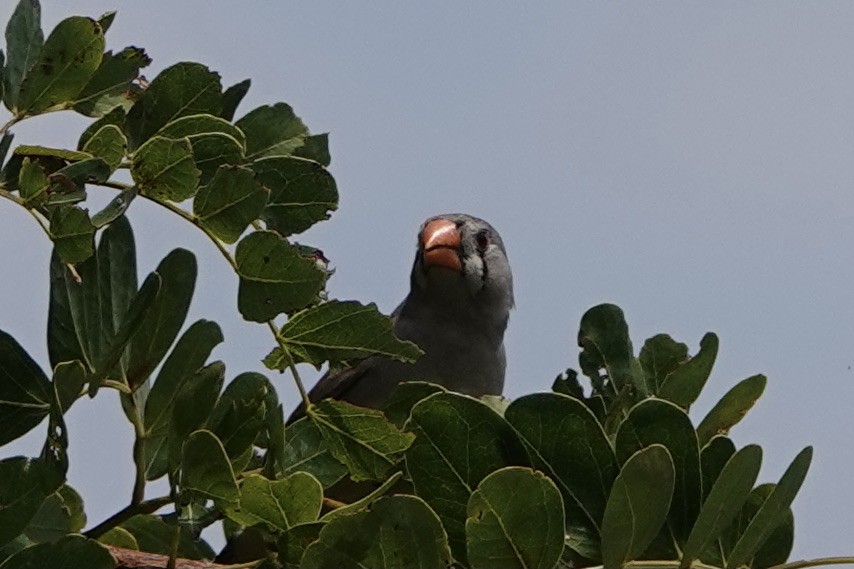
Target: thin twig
[
  {"x": 815, "y": 562},
  {"x": 145, "y": 507},
  {"x": 9, "y": 124},
  {"x": 287, "y": 354}
]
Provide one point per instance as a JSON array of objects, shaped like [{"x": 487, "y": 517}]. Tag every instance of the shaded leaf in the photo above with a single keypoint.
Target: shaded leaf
[
  {"x": 164, "y": 169},
  {"x": 315, "y": 147},
  {"x": 24, "y": 41},
  {"x": 302, "y": 192},
  {"x": 69, "y": 552},
  {"x": 68, "y": 381},
  {"x": 280, "y": 504},
  {"x": 193, "y": 404},
  {"x": 180, "y": 90},
  {"x": 25, "y": 483},
  {"x": 724, "y": 501},
  {"x": 60, "y": 514},
  {"x": 361, "y": 439},
  {"x": 778, "y": 546},
  {"x": 637, "y": 506},
  {"x": 24, "y": 392},
  {"x": 367, "y": 500},
  {"x": 515, "y": 519},
  {"x": 72, "y": 234},
  {"x": 655, "y": 421},
  {"x": 206, "y": 470},
  {"x": 111, "y": 84},
  {"x": 215, "y": 142},
  {"x": 229, "y": 203},
  {"x": 119, "y": 537},
  {"x": 115, "y": 209},
  {"x": 5, "y": 144},
  {"x": 274, "y": 277},
  {"x": 771, "y": 514},
  {"x": 293, "y": 543},
  {"x": 66, "y": 62},
  {"x": 178, "y": 274},
  {"x": 659, "y": 356},
  {"x": 713, "y": 458},
  {"x": 337, "y": 331},
  {"x": 397, "y": 531},
  {"x": 306, "y": 450},
  {"x": 60, "y": 153},
  {"x": 232, "y": 97},
  {"x": 404, "y": 397},
  {"x": 240, "y": 411},
  {"x": 155, "y": 536},
  {"x": 605, "y": 343},
  {"x": 32, "y": 181},
  {"x": 685, "y": 383},
  {"x": 272, "y": 130},
  {"x": 731, "y": 408},
  {"x": 458, "y": 442},
  {"x": 106, "y": 20},
  {"x": 115, "y": 117}
]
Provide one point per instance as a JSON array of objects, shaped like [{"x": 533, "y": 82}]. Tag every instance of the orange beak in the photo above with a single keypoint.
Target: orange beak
[{"x": 440, "y": 242}]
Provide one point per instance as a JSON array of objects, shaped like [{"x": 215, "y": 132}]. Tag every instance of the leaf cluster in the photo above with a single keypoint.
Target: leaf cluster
[{"x": 602, "y": 473}]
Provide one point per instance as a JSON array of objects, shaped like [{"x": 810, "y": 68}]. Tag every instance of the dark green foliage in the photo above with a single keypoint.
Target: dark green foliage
[{"x": 602, "y": 471}]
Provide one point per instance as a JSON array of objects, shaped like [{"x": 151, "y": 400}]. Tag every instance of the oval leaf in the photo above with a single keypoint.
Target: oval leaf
[
  {"x": 72, "y": 551},
  {"x": 604, "y": 339},
  {"x": 305, "y": 450},
  {"x": 24, "y": 41},
  {"x": 725, "y": 500},
  {"x": 685, "y": 383},
  {"x": 164, "y": 169},
  {"x": 25, "y": 392},
  {"x": 459, "y": 441},
  {"x": 272, "y": 131},
  {"x": 637, "y": 506},
  {"x": 515, "y": 519},
  {"x": 229, "y": 203},
  {"x": 206, "y": 470},
  {"x": 280, "y": 504},
  {"x": 731, "y": 408}
]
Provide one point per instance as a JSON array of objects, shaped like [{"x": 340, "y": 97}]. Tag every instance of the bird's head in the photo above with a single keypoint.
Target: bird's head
[{"x": 461, "y": 264}]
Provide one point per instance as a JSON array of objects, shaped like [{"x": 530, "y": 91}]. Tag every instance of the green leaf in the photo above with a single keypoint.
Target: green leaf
[
  {"x": 69, "y": 552},
  {"x": 306, "y": 450},
  {"x": 272, "y": 131},
  {"x": 731, "y": 408},
  {"x": 115, "y": 209},
  {"x": 655, "y": 421},
  {"x": 458, "y": 442},
  {"x": 397, "y": 531},
  {"x": 771, "y": 514},
  {"x": 605, "y": 343},
  {"x": 660, "y": 356},
  {"x": 189, "y": 355},
  {"x": 274, "y": 277},
  {"x": 206, "y": 470},
  {"x": 109, "y": 144},
  {"x": 338, "y": 331},
  {"x": 280, "y": 504},
  {"x": 75, "y": 176},
  {"x": 232, "y": 97},
  {"x": 112, "y": 83},
  {"x": 637, "y": 506},
  {"x": 66, "y": 62},
  {"x": 230, "y": 202},
  {"x": 60, "y": 153},
  {"x": 293, "y": 543},
  {"x": 193, "y": 405},
  {"x": 215, "y": 141},
  {"x": 60, "y": 514},
  {"x": 2, "y": 90},
  {"x": 24, "y": 41},
  {"x": 32, "y": 181},
  {"x": 515, "y": 519},
  {"x": 405, "y": 396},
  {"x": 5, "y": 144},
  {"x": 72, "y": 234},
  {"x": 164, "y": 169},
  {"x": 302, "y": 192},
  {"x": 239, "y": 414},
  {"x": 65, "y": 314},
  {"x": 568, "y": 443},
  {"x": 724, "y": 501},
  {"x": 181, "y": 90},
  {"x": 68, "y": 381},
  {"x": 713, "y": 458},
  {"x": 685, "y": 383},
  {"x": 315, "y": 147},
  {"x": 115, "y": 117},
  {"x": 25, "y": 483},
  {"x": 778, "y": 546},
  {"x": 24, "y": 393},
  {"x": 119, "y": 537},
  {"x": 178, "y": 273},
  {"x": 156, "y": 536},
  {"x": 117, "y": 280},
  {"x": 381, "y": 490},
  {"x": 361, "y": 439},
  {"x": 106, "y": 20}
]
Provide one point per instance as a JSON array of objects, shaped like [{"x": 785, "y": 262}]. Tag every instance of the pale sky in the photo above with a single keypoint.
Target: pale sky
[{"x": 690, "y": 162}]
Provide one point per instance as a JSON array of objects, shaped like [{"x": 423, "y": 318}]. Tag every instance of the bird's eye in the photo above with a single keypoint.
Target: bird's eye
[{"x": 482, "y": 240}]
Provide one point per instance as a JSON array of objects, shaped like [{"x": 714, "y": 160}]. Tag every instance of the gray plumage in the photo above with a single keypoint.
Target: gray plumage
[{"x": 456, "y": 311}]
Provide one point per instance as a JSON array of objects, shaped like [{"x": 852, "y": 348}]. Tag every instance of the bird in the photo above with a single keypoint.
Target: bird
[{"x": 456, "y": 311}]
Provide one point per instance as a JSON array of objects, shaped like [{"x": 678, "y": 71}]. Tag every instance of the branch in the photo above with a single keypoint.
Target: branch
[
  {"x": 145, "y": 507},
  {"x": 815, "y": 562}
]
